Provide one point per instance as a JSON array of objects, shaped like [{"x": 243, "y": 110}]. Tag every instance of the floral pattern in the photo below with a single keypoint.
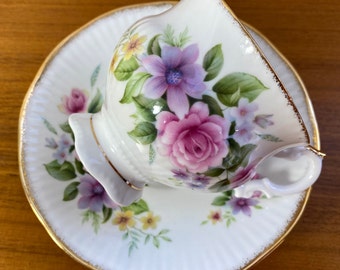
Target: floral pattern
[
  {"x": 177, "y": 74},
  {"x": 230, "y": 206},
  {"x": 202, "y": 138},
  {"x": 93, "y": 195},
  {"x": 205, "y": 123},
  {"x": 135, "y": 222},
  {"x": 75, "y": 103}
]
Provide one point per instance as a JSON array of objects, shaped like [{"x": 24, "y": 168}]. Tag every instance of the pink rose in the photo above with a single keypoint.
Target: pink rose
[
  {"x": 196, "y": 142},
  {"x": 74, "y": 103}
]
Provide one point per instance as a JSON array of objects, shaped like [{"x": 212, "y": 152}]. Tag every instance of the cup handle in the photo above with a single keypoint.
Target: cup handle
[{"x": 289, "y": 171}]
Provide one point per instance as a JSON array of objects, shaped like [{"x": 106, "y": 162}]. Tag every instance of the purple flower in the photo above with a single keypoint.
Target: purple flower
[
  {"x": 64, "y": 142},
  {"x": 62, "y": 148},
  {"x": 263, "y": 120},
  {"x": 244, "y": 112},
  {"x": 194, "y": 143},
  {"x": 199, "y": 181},
  {"x": 93, "y": 195},
  {"x": 74, "y": 103},
  {"x": 180, "y": 174},
  {"x": 177, "y": 75},
  {"x": 60, "y": 155},
  {"x": 195, "y": 181},
  {"x": 243, "y": 205},
  {"x": 244, "y": 133}
]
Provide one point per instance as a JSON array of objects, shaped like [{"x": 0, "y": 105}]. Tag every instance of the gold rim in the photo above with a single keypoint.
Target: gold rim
[{"x": 23, "y": 174}]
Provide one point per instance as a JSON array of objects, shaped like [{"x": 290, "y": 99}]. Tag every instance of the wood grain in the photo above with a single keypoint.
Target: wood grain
[{"x": 307, "y": 33}]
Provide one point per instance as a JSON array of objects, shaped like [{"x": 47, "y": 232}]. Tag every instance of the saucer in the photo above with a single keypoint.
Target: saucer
[{"x": 167, "y": 228}]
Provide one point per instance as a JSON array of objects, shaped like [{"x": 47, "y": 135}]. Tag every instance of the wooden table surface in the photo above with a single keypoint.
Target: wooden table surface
[{"x": 308, "y": 34}]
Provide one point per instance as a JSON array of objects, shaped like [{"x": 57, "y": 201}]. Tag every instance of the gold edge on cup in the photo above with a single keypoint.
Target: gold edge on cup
[
  {"x": 21, "y": 145},
  {"x": 316, "y": 145},
  {"x": 316, "y": 135},
  {"x": 264, "y": 58}
]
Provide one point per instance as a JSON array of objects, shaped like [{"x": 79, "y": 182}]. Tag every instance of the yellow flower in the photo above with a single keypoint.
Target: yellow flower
[
  {"x": 215, "y": 216},
  {"x": 114, "y": 62},
  {"x": 150, "y": 221},
  {"x": 133, "y": 46},
  {"x": 124, "y": 219}
]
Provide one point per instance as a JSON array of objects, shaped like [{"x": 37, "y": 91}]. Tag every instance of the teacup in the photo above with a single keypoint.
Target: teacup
[{"x": 191, "y": 102}]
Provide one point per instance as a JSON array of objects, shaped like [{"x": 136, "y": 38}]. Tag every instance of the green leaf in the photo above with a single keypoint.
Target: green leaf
[
  {"x": 94, "y": 76},
  {"x": 183, "y": 38},
  {"x": 156, "y": 242},
  {"x": 169, "y": 37},
  {"x": 135, "y": 234},
  {"x": 132, "y": 246},
  {"x": 213, "y": 62},
  {"x": 152, "y": 154},
  {"x": 232, "y": 99},
  {"x": 154, "y": 47},
  {"x": 237, "y": 85},
  {"x": 214, "y": 172},
  {"x": 137, "y": 207},
  {"x": 63, "y": 172},
  {"x": 220, "y": 186},
  {"x": 66, "y": 127},
  {"x": 95, "y": 221},
  {"x": 71, "y": 191},
  {"x": 245, "y": 151},
  {"x": 49, "y": 126},
  {"x": 72, "y": 147},
  {"x": 125, "y": 69},
  {"x": 269, "y": 137},
  {"x": 164, "y": 231},
  {"x": 214, "y": 107},
  {"x": 147, "y": 239},
  {"x": 237, "y": 155},
  {"x": 148, "y": 108},
  {"x": 125, "y": 236},
  {"x": 96, "y": 103},
  {"x": 165, "y": 238},
  {"x": 228, "y": 193},
  {"x": 229, "y": 220},
  {"x": 220, "y": 200},
  {"x": 134, "y": 86},
  {"x": 88, "y": 215},
  {"x": 232, "y": 129},
  {"x": 107, "y": 213},
  {"x": 79, "y": 166},
  {"x": 144, "y": 133}
]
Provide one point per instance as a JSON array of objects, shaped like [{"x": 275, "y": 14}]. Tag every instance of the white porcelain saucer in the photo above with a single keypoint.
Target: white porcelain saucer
[{"x": 167, "y": 229}]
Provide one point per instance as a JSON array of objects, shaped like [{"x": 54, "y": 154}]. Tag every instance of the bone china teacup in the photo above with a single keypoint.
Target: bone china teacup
[{"x": 192, "y": 103}]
